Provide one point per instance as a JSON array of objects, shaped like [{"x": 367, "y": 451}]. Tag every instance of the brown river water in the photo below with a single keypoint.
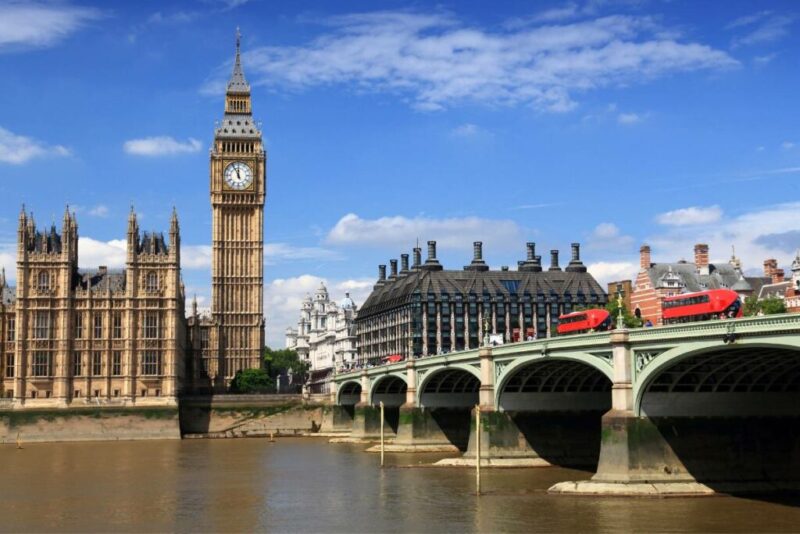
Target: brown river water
[{"x": 308, "y": 485}]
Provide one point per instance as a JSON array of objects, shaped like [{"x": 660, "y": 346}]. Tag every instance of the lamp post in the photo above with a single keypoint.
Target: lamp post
[{"x": 620, "y": 307}]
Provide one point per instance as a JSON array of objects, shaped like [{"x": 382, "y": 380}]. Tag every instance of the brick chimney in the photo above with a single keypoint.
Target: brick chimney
[
  {"x": 777, "y": 276},
  {"x": 770, "y": 265},
  {"x": 701, "y": 258},
  {"x": 644, "y": 257}
]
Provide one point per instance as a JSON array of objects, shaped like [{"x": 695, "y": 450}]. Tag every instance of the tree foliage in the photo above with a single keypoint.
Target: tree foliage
[
  {"x": 280, "y": 361},
  {"x": 767, "y": 306},
  {"x": 631, "y": 321},
  {"x": 252, "y": 381}
]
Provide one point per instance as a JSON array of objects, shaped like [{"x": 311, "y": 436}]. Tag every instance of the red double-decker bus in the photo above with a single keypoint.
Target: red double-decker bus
[
  {"x": 701, "y": 306},
  {"x": 595, "y": 320}
]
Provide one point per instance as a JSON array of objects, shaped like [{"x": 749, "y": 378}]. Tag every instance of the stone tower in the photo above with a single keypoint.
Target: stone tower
[{"x": 238, "y": 190}]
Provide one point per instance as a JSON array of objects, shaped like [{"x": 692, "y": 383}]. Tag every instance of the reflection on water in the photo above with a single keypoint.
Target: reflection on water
[{"x": 309, "y": 485}]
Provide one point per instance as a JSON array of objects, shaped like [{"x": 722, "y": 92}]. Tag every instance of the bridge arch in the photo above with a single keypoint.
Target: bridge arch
[
  {"x": 349, "y": 393},
  {"x": 760, "y": 377},
  {"x": 566, "y": 372},
  {"x": 389, "y": 389},
  {"x": 453, "y": 386}
]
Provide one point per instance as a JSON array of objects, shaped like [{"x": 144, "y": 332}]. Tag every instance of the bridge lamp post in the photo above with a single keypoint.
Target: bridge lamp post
[{"x": 620, "y": 307}]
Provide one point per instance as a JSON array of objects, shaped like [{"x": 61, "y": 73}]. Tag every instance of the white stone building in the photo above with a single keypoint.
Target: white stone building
[{"x": 324, "y": 337}]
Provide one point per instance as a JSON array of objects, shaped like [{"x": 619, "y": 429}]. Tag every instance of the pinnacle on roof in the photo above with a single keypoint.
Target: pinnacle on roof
[{"x": 237, "y": 83}]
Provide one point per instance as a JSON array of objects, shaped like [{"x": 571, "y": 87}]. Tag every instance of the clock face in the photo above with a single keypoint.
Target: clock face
[{"x": 238, "y": 175}]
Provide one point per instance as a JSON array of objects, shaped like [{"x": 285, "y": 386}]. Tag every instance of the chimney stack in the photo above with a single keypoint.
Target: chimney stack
[
  {"x": 777, "y": 276},
  {"x": 644, "y": 257},
  {"x": 381, "y": 277},
  {"x": 575, "y": 263},
  {"x": 532, "y": 262},
  {"x": 403, "y": 263},
  {"x": 393, "y": 269},
  {"x": 554, "y": 260},
  {"x": 701, "y": 258},
  {"x": 417, "y": 258},
  {"x": 770, "y": 265},
  {"x": 432, "y": 264},
  {"x": 477, "y": 258}
]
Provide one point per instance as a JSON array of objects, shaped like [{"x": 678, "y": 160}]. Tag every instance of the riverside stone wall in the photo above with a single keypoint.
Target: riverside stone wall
[
  {"x": 89, "y": 424},
  {"x": 253, "y": 416}
]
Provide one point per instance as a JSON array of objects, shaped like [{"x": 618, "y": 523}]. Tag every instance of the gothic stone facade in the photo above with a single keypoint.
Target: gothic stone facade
[
  {"x": 425, "y": 309},
  {"x": 72, "y": 337},
  {"x": 232, "y": 337}
]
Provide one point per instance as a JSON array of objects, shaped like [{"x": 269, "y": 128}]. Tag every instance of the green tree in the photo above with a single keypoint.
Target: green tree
[
  {"x": 252, "y": 381},
  {"x": 767, "y": 306},
  {"x": 772, "y": 305},
  {"x": 751, "y": 306},
  {"x": 631, "y": 321},
  {"x": 282, "y": 360}
]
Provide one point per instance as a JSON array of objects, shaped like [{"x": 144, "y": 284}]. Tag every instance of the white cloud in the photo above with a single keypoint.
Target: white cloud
[
  {"x": 690, "y": 216},
  {"x": 607, "y": 271},
  {"x": 18, "y": 149},
  {"x": 787, "y": 145},
  {"x": 607, "y": 236},
  {"x": 282, "y": 252},
  {"x": 628, "y": 118},
  {"x": 762, "y": 27},
  {"x": 92, "y": 253},
  {"x": 466, "y": 130},
  {"x": 452, "y": 233},
  {"x": 41, "y": 24},
  {"x": 100, "y": 210},
  {"x": 162, "y": 145},
  {"x": 283, "y": 297},
  {"x": 761, "y": 233},
  {"x": 436, "y": 61},
  {"x": 765, "y": 59},
  {"x": 8, "y": 261},
  {"x": 195, "y": 256},
  {"x": 760, "y": 148}
]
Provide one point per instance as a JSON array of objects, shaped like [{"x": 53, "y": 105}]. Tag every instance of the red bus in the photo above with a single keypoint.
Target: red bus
[
  {"x": 701, "y": 306},
  {"x": 584, "y": 321}
]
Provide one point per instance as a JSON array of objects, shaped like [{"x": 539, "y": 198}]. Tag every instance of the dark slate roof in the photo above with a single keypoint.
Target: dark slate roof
[
  {"x": 719, "y": 276},
  {"x": 46, "y": 242},
  {"x": 238, "y": 126},
  {"x": 237, "y": 82},
  {"x": 153, "y": 243},
  {"x": 8, "y": 295},
  {"x": 400, "y": 291},
  {"x": 100, "y": 280}
]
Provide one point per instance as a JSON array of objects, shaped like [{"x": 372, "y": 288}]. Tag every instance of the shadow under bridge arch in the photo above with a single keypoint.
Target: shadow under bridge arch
[
  {"x": 349, "y": 393},
  {"x": 557, "y": 405},
  {"x": 726, "y": 413},
  {"x": 389, "y": 389},
  {"x": 450, "y": 387}
]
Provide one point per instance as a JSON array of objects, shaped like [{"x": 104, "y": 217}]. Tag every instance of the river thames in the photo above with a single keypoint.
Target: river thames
[{"x": 308, "y": 485}]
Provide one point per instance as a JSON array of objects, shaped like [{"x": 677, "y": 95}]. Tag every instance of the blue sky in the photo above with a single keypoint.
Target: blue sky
[{"x": 610, "y": 123}]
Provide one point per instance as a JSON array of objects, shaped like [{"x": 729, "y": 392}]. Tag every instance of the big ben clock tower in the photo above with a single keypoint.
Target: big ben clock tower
[{"x": 238, "y": 190}]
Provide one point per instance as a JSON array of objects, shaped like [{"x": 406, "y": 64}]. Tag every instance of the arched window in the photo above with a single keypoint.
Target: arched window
[
  {"x": 43, "y": 281},
  {"x": 151, "y": 282}
]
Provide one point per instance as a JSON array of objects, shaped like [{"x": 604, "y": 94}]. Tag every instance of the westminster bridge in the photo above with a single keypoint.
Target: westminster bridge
[{"x": 684, "y": 408}]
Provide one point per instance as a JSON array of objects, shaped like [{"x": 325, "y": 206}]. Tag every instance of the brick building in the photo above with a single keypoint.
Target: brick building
[{"x": 658, "y": 280}]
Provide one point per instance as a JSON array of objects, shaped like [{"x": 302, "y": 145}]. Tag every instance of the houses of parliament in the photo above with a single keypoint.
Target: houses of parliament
[{"x": 70, "y": 337}]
